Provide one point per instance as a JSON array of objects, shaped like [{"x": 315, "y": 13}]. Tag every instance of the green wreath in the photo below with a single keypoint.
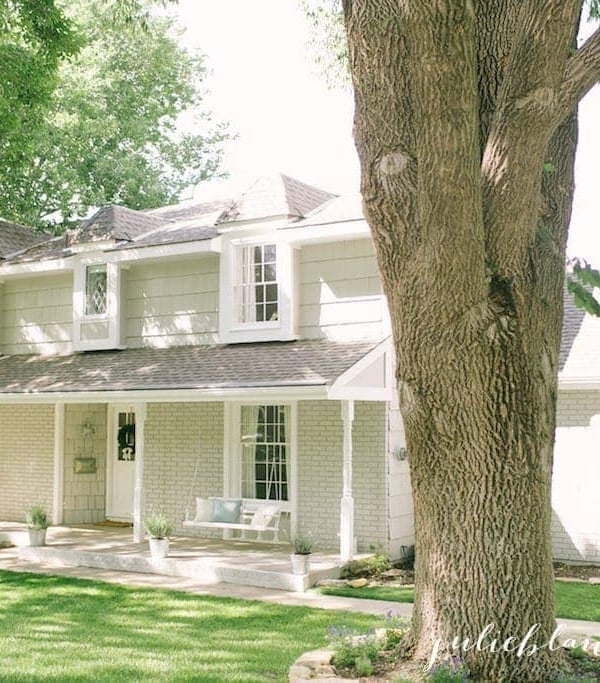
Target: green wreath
[{"x": 126, "y": 436}]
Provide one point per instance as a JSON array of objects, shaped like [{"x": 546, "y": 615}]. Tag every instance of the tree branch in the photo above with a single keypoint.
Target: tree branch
[{"x": 581, "y": 74}]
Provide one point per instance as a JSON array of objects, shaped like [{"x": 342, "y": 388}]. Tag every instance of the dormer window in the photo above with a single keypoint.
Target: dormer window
[
  {"x": 97, "y": 304},
  {"x": 256, "y": 291},
  {"x": 96, "y": 289}
]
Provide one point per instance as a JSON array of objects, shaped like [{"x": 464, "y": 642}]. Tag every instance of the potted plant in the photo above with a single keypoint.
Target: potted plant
[
  {"x": 37, "y": 524},
  {"x": 301, "y": 555},
  {"x": 159, "y": 528}
]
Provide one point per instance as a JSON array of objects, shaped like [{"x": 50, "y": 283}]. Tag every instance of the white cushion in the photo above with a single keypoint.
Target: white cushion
[
  {"x": 263, "y": 515},
  {"x": 204, "y": 510}
]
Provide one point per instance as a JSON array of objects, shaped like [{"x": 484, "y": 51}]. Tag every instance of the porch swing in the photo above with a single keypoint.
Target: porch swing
[{"x": 240, "y": 514}]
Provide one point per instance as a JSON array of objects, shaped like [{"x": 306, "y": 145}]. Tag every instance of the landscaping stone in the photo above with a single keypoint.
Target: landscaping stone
[
  {"x": 358, "y": 583},
  {"x": 594, "y": 580},
  {"x": 315, "y": 664}
]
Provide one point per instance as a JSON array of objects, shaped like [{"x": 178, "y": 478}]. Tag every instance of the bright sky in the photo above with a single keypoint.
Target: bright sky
[{"x": 264, "y": 83}]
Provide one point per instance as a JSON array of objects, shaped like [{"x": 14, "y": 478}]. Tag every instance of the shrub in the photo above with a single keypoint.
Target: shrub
[{"x": 371, "y": 566}]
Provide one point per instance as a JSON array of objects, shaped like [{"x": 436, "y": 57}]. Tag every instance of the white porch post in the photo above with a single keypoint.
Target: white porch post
[
  {"x": 59, "y": 463},
  {"x": 347, "y": 541},
  {"x": 138, "y": 493}
]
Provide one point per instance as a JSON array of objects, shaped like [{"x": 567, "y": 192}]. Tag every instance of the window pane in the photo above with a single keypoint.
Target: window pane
[
  {"x": 256, "y": 284},
  {"x": 264, "y": 454},
  {"x": 95, "y": 290}
]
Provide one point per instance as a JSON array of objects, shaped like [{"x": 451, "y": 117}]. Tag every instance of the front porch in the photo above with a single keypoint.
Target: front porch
[{"x": 207, "y": 561}]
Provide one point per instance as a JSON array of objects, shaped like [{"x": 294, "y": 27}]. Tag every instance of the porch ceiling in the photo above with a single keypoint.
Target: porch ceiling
[{"x": 183, "y": 368}]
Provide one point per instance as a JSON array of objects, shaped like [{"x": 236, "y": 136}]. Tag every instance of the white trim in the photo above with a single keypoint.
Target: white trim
[
  {"x": 113, "y": 255},
  {"x": 138, "y": 491},
  {"x": 578, "y": 383},
  {"x": 256, "y": 394},
  {"x": 112, "y": 316},
  {"x": 231, "y": 443},
  {"x": 342, "y": 388},
  {"x": 59, "y": 463},
  {"x": 327, "y": 232},
  {"x": 284, "y": 329},
  {"x": 347, "y": 538}
]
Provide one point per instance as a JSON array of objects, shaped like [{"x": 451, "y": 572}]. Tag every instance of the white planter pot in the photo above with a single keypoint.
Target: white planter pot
[
  {"x": 159, "y": 548},
  {"x": 300, "y": 563},
  {"x": 37, "y": 537}
]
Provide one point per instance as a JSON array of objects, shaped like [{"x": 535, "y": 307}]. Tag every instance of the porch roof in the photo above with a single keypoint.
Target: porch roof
[{"x": 199, "y": 368}]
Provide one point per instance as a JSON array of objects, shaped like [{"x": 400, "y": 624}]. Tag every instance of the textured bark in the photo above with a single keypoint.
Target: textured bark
[{"x": 457, "y": 114}]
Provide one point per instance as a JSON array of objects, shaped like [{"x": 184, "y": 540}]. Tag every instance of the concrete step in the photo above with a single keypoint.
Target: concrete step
[{"x": 205, "y": 570}]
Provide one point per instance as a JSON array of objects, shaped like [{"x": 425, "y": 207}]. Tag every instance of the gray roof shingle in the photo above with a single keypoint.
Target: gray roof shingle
[
  {"x": 299, "y": 363},
  {"x": 14, "y": 238}
]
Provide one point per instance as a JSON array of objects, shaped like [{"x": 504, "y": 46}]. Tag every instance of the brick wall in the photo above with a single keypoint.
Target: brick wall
[
  {"x": 85, "y": 494},
  {"x": 26, "y": 459},
  {"x": 320, "y": 442},
  {"x": 576, "y": 477},
  {"x": 177, "y": 436}
]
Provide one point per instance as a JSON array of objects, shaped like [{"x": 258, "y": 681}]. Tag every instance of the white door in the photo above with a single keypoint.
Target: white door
[{"x": 120, "y": 471}]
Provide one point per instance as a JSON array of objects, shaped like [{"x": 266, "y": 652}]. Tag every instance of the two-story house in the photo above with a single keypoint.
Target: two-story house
[{"x": 235, "y": 348}]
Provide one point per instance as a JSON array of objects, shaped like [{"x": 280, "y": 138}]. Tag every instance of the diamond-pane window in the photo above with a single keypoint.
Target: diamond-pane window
[{"x": 96, "y": 283}]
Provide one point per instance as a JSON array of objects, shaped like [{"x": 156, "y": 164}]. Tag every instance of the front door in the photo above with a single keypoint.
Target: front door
[{"x": 120, "y": 471}]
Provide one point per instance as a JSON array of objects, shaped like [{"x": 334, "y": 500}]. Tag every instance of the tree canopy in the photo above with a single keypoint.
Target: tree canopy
[{"x": 107, "y": 125}]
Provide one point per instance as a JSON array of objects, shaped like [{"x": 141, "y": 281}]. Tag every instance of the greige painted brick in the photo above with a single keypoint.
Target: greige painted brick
[
  {"x": 26, "y": 458},
  {"x": 320, "y": 443},
  {"x": 179, "y": 436}
]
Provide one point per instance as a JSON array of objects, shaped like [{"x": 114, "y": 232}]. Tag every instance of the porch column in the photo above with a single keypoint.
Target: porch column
[
  {"x": 59, "y": 463},
  {"x": 138, "y": 492},
  {"x": 347, "y": 540}
]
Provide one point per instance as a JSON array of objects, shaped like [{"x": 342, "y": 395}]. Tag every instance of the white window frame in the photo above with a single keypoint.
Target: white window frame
[
  {"x": 282, "y": 329},
  {"x": 232, "y": 462},
  {"x": 241, "y": 284},
  {"x": 112, "y": 316},
  {"x": 101, "y": 267}
]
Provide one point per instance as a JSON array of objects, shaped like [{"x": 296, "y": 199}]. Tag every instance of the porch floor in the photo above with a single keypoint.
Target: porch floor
[{"x": 208, "y": 561}]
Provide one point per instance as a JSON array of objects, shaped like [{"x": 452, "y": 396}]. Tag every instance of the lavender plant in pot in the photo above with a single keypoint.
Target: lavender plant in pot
[
  {"x": 300, "y": 558},
  {"x": 37, "y": 525},
  {"x": 159, "y": 527}
]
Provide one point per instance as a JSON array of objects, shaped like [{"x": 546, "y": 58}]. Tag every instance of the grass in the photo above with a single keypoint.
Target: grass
[
  {"x": 573, "y": 600},
  {"x": 66, "y": 630}
]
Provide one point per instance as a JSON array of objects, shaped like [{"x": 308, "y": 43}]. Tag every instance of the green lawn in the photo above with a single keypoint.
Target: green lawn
[
  {"x": 573, "y": 600},
  {"x": 66, "y": 630}
]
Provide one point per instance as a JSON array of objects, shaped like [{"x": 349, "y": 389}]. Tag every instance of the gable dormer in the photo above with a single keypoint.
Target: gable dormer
[{"x": 258, "y": 283}]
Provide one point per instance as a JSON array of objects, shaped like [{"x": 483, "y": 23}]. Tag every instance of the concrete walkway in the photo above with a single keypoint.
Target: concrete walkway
[{"x": 10, "y": 561}]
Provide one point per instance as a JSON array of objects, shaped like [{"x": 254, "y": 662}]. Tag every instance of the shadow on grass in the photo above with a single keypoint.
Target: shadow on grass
[{"x": 63, "y": 629}]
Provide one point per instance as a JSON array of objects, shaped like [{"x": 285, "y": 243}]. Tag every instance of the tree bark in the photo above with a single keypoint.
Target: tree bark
[{"x": 467, "y": 180}]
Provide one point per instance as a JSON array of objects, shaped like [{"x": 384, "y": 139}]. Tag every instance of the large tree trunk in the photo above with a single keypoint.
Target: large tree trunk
[{"x": 455, "y": 121}]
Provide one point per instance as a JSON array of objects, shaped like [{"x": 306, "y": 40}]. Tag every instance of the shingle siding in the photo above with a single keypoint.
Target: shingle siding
[
  {"x": 85, "y": 494},
  {"x": 576, "y": 477}
]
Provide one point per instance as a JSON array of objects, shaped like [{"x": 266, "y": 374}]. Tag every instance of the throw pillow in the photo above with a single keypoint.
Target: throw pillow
[
  {"x": 204, "y": 509},
  {"x": 227, "y": 510}
]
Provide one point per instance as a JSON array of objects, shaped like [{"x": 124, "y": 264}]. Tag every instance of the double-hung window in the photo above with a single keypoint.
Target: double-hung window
[
  {"x": 256, "y": 291},
  {"x": 265, "y": 452}
]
